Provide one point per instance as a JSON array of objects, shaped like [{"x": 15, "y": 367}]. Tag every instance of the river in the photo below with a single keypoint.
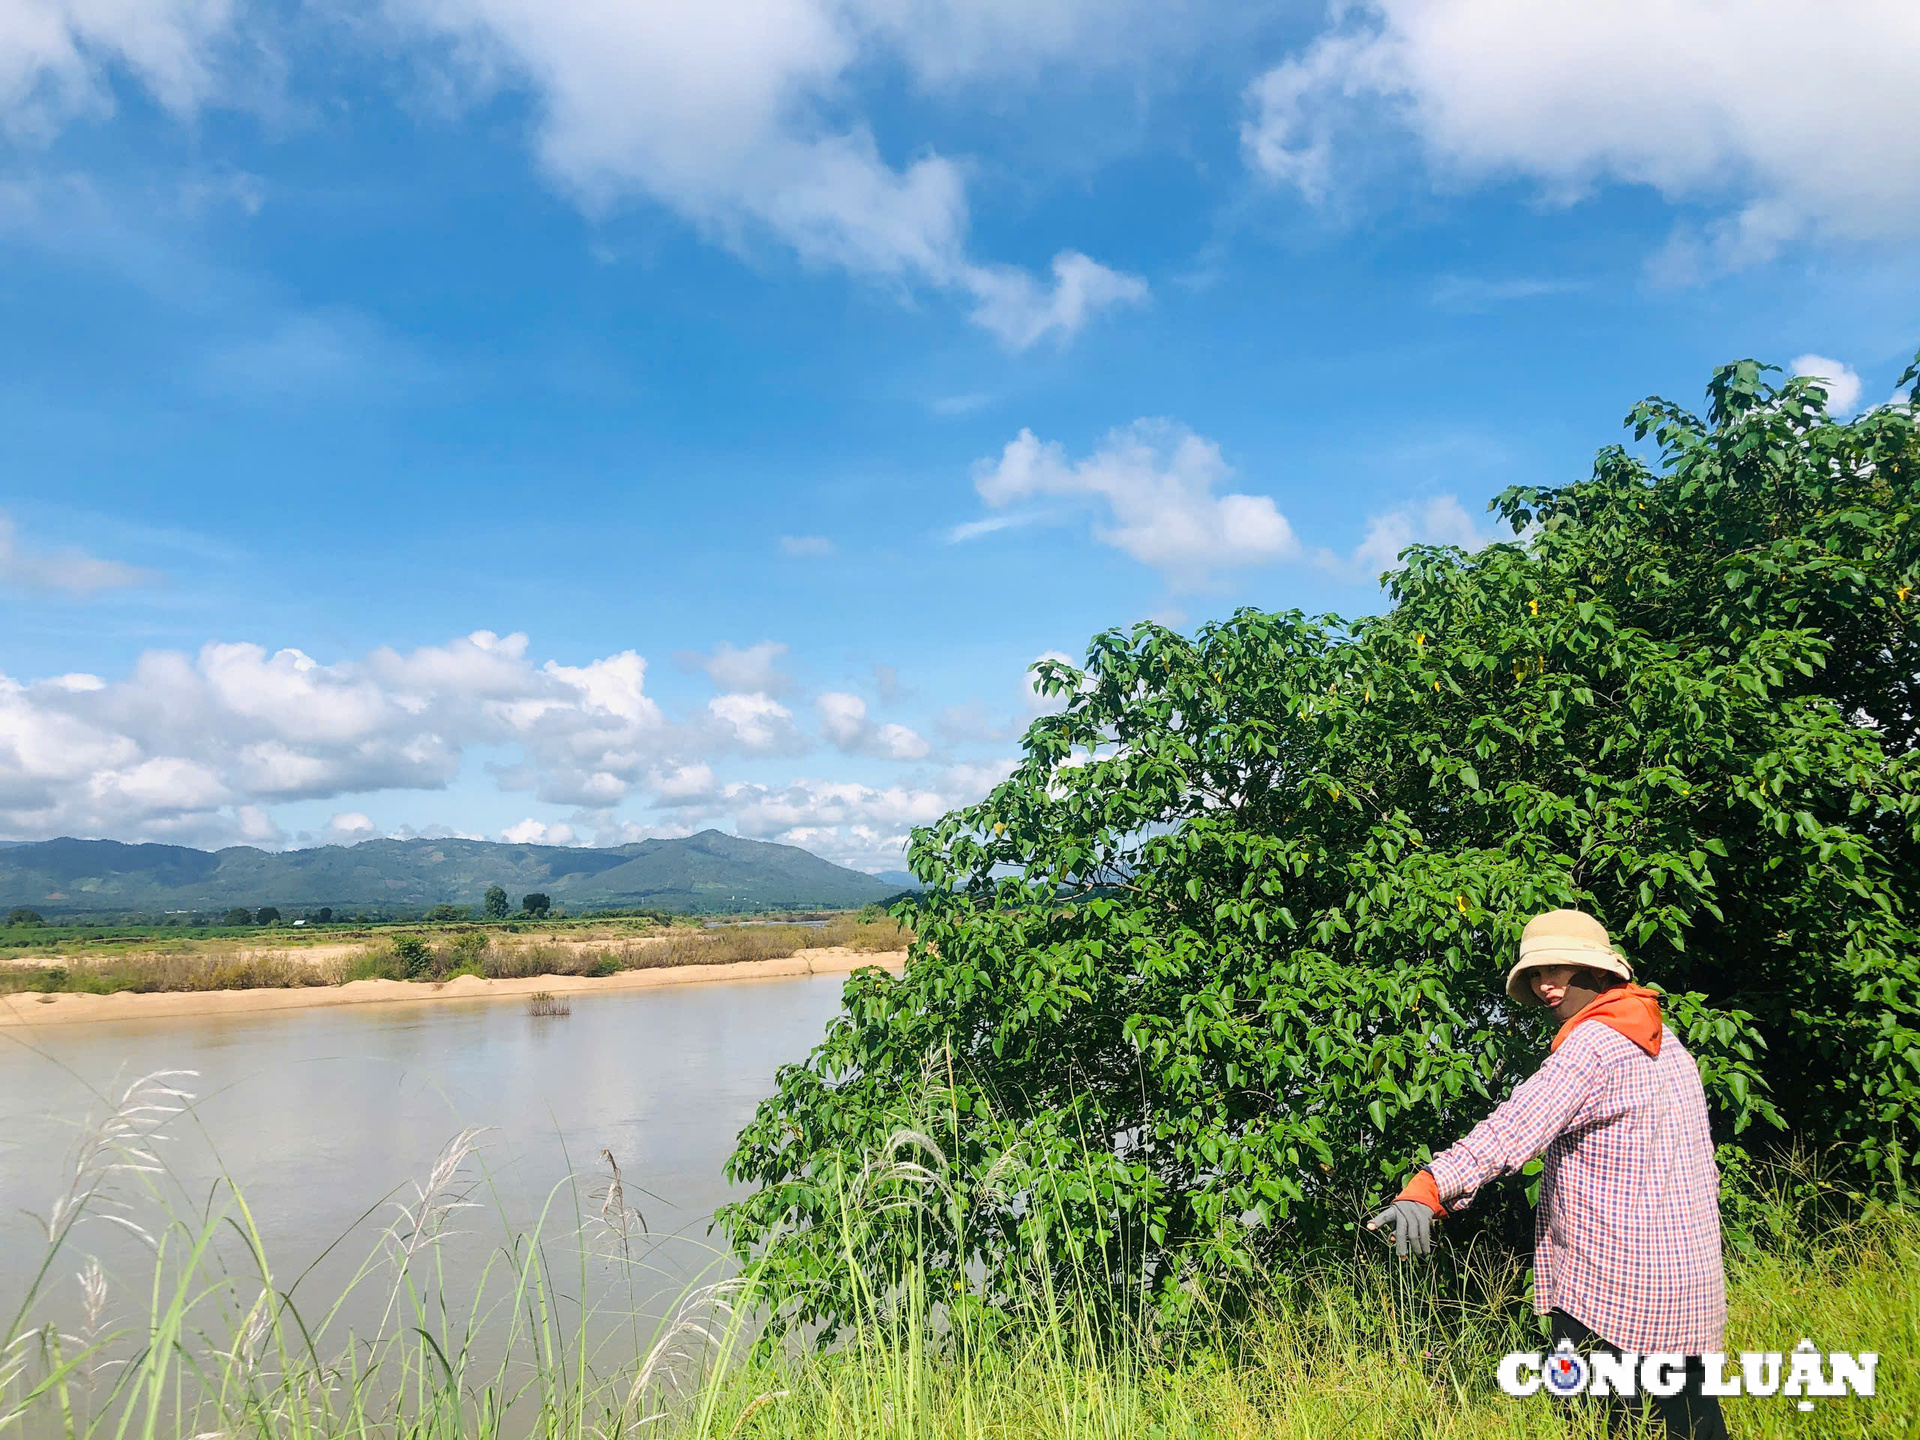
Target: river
[{"x": 326, "y": 1117}]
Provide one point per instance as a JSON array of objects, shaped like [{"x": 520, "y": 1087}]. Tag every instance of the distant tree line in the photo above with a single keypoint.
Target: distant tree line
[{"x": 495, "y": 905}]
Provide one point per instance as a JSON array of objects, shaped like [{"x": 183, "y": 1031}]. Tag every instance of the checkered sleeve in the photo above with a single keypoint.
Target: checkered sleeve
[{"x": 1540, "y": 1109}]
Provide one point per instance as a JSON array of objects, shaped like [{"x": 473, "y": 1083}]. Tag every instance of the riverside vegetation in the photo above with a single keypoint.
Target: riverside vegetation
[
  {"x": 217, "y": 1339},
  {"x": 590, "y": 947},
  {"x": 1221, "y": 961}
]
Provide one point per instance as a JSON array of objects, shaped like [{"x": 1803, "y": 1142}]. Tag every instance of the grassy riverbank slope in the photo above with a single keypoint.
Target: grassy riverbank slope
[{"x": 1372, "y": 1350}]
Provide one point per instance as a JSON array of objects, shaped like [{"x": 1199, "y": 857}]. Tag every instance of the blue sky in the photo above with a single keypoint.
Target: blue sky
[{"x": 577, "y": 420}]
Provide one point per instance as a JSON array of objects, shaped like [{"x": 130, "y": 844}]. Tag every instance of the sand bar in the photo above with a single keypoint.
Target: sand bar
[{"x": 30, "y": 1008}]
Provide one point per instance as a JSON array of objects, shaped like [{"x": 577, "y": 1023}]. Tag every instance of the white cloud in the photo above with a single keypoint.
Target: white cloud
[
  {"x": 1792, "y": 129},
  {"x": 810, "y": 545},
  {"x": 844, "y": 723},
  {"x": 755, "y": 668},
  {"x": 539, "y": 832},
  {"x": 1842, "y": 385},
  {"x": 1156, "y": 481},
  {"x": 897, "y": 742},
  {"x": 683, "y": 784},
  {"x": 740, "y": 118},
  {"x": 190, "y": 747},
  {"x": 348, "y": 827},
  {"x": 736, "y": 118},
  {"x": 1442, "y": 520},
  {"x": 1022, "y": 312},
  {"x": 843, "y": 718},
  {"x": 55, "y": 55},
  {"x": 765, "y": 812},
  {"x": 755, "y": 722},
  {"x": 858, "y": 825},
  {"x": 71, "y": 571},
  {"x": 993, "y": 524}
]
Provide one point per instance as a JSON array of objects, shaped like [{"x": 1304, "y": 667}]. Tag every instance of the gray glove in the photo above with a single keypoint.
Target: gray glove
[{"x": 1410, "y": 1227}]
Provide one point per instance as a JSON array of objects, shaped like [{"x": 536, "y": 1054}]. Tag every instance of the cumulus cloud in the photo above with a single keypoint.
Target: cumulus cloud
[
  {"x": 71, "y": 571},
  {"x": 862, "y": 826},
  {"x": 1791, "y": 131},
  {"x": 197, "y": 748},
  {"x": 844, "y": 723},
  {"x": 755, "y": 722},
  {"x": 348, "y": 827},
  {"x": 540, "y": 832},
  {"x": 191, "y": 747},
  {"x": 766, "y": 811},
  {"x": 1153, "y": 484},
  {"x": 755, "y": 668},
  {"x": 1441, "y": 520},
  {"x": 1842, "y": 385}
]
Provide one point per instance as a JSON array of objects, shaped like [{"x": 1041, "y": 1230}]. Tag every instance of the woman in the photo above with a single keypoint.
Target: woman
[{"x": 1627, "y": 1232}]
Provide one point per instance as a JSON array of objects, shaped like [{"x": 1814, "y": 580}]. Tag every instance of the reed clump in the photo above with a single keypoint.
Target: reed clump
[
  {"x": 545, "y": 1003},
  {"x": 212, "y": 968},
  {"x": 775, "y": 942}
]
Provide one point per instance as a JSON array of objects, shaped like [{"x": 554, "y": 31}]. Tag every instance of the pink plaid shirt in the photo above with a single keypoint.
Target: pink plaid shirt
[{"x": 1627, "y": 1234}]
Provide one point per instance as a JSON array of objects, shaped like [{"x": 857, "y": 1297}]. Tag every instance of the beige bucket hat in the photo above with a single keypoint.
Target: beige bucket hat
[{"x": 1563, "y": 937}]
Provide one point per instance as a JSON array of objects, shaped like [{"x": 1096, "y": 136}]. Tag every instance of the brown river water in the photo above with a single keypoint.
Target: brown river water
[{"x": 325, "y": 1118}]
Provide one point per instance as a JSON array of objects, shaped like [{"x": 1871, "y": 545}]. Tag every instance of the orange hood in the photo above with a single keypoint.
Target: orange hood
[{"x": 1633, "y": 1010}]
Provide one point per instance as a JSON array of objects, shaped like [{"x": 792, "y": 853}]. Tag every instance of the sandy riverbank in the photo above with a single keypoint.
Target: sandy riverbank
[{"x": 30, "y": 1008}]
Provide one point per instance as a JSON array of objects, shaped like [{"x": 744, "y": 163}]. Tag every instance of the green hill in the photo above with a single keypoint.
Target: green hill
[{"x": 710, "y": 871}]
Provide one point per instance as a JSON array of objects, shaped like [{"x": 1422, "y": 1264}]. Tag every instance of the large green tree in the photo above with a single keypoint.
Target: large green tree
[{"x": 1197, "y": 985}]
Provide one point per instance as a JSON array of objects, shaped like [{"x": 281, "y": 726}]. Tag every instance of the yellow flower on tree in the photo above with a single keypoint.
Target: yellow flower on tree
[{"x": 1534, "y": 606}]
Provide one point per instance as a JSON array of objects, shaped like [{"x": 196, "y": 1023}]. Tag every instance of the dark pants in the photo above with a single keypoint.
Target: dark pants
[{"x": 1688, "y": 1415}]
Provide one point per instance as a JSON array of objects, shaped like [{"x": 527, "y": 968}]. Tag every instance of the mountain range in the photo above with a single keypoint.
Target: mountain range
[{"x": 707, "y": 872}]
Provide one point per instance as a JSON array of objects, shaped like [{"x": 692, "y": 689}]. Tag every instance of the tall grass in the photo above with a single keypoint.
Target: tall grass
[{"x": 429, "y": 1335}]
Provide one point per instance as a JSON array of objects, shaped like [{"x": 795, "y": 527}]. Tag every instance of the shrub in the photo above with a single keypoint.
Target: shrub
[
  {"x": 1222, "y": 960},
  {"x": 468, "y": 950},
  {"x": 415, "y": 960}
]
